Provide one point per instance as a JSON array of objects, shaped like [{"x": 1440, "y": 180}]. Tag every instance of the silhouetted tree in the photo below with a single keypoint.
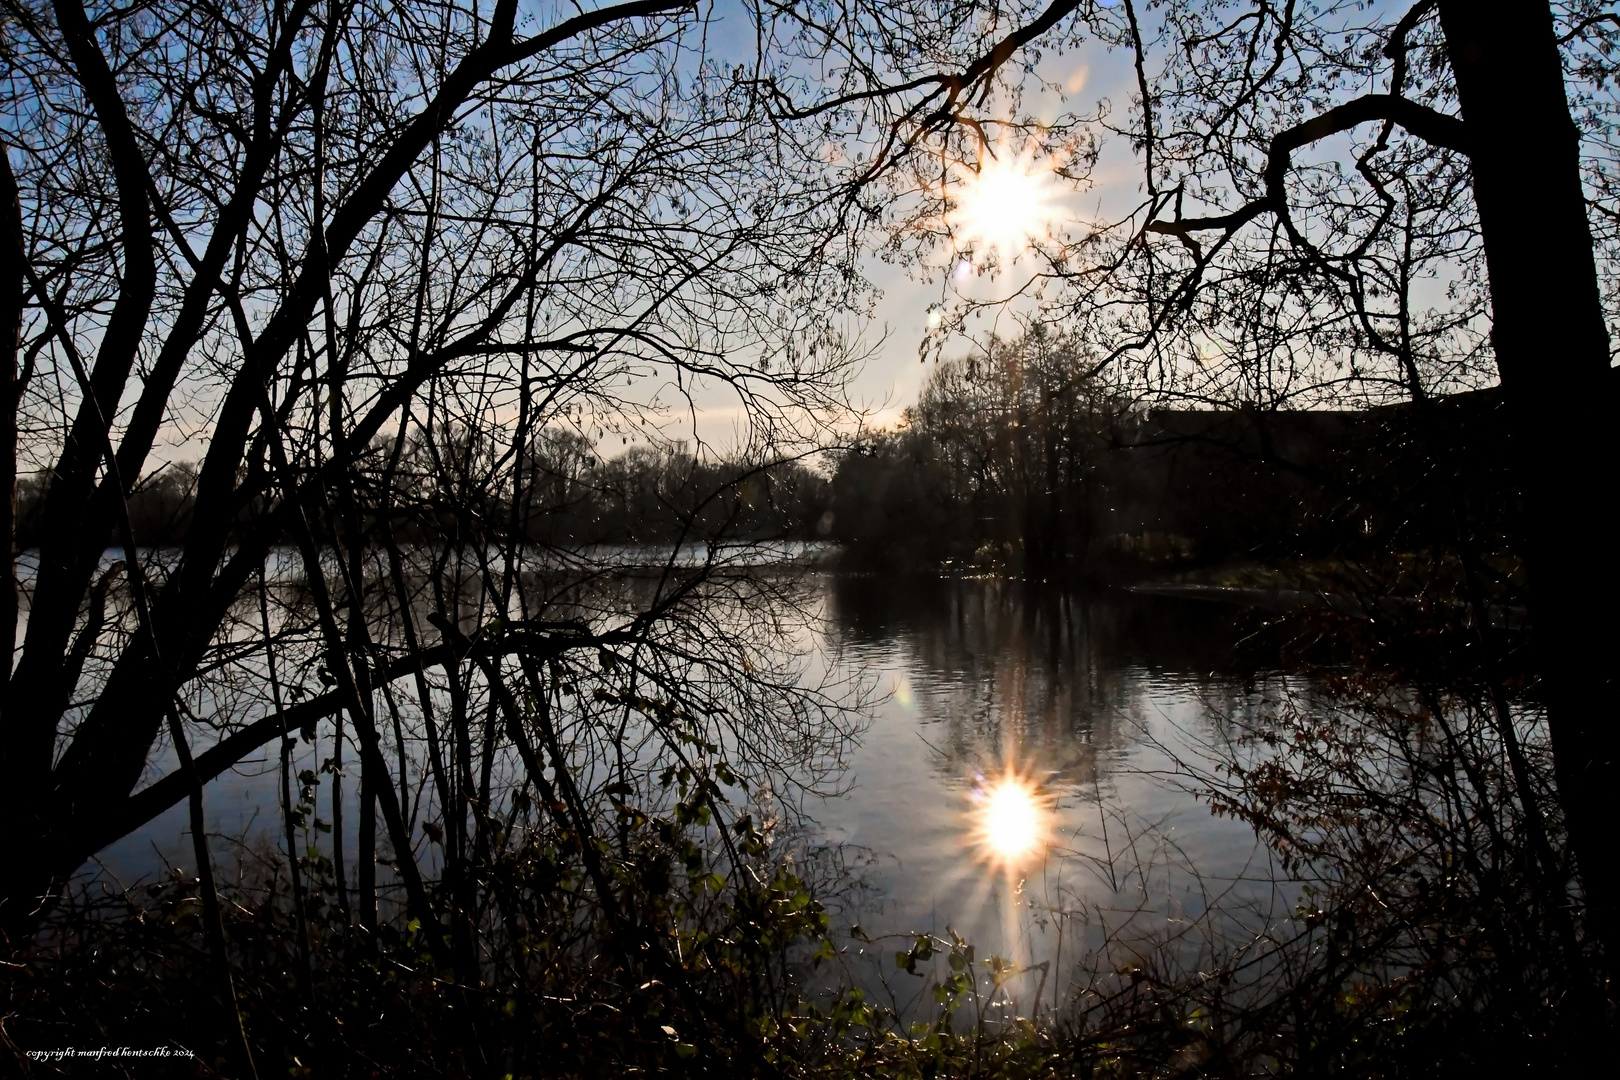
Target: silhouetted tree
[{"x": 315, "y": 235}]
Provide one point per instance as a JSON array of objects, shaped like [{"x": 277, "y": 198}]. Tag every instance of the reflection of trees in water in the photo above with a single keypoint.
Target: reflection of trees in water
[
  {"x": 721, "y": 640},
  {"x": 1412, "y": 876},
  {"x": 1019, "y": 674},
  {"x": 568, "y": 767},
  {"x": 1020, "y": 685}
]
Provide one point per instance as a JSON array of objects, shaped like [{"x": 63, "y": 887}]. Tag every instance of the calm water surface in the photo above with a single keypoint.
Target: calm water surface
[
  {"x": 1021, "y": 784},
  {"x": 1017, "y": 781}
]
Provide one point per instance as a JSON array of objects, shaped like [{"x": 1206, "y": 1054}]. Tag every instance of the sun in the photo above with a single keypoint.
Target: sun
[
  {"x": 1004, "y": 205},
  {"x": 1011, "y": 819}
]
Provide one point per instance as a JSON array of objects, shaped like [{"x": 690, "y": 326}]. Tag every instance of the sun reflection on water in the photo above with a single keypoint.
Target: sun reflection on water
[{"x": 1011, "y": 818}]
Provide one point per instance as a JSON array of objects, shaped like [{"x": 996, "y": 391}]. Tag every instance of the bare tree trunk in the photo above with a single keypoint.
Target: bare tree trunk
[
  {"x": 1552, "y": 351},
  {"x": 13, "y": 915},
  {"x": 11, "y": 313}
]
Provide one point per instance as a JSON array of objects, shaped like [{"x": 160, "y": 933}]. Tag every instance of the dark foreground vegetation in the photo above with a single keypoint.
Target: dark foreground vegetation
[{"x": 384, "y": 275}]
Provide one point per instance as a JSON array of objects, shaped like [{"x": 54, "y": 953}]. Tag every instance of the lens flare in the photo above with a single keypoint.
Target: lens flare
[{"x": 1011, "y": 819}]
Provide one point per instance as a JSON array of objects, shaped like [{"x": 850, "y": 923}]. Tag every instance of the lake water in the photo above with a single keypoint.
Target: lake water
[
  {"x": 1016, "y": 779},
  {"x": 1085, "y": 706}
]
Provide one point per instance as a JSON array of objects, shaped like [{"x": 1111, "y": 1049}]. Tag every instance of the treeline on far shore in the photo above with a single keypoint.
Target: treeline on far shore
[
  {"x": 1012, "y": 460},
  {"x": 566, "y": 494}
]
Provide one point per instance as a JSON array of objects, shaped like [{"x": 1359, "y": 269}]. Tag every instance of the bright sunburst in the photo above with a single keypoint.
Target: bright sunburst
[
  {"x": 1011, "y": 819},
  {"x": 1005, "y": 205}
]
